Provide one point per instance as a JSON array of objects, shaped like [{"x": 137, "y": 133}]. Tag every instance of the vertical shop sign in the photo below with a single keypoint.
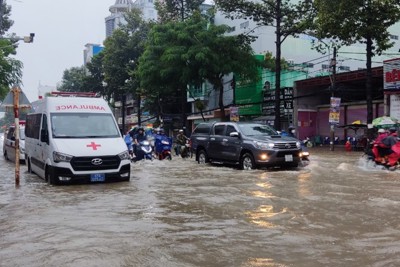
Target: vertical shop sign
[{"x": 334, "y": 112}]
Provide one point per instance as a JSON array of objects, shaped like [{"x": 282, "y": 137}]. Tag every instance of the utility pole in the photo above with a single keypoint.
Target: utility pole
[{"x": 333, "y": 87}]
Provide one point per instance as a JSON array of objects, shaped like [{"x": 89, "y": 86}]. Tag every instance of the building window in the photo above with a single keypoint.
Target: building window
[
  {"x": 325, "y": 66},
  {"x": 394, "y": 37},
  {"x": 345, "y": 68}
]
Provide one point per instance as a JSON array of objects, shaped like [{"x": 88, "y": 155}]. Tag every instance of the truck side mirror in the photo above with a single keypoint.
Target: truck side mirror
[{"x": 234, "y": 134}]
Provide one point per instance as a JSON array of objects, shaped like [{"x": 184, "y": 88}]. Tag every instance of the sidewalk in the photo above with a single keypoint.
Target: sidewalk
[{"x": 337, "y": 148}]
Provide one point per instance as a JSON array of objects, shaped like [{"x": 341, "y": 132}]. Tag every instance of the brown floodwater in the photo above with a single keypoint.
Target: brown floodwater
[{"x": 337, "y": 211}]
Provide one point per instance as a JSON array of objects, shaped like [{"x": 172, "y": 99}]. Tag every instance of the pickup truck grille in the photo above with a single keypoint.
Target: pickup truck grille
[
  {"x": 85, "y": 163},
  {"x": 284, "y": 146}
]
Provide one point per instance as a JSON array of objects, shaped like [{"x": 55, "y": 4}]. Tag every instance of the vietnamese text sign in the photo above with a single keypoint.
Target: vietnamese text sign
[
  {"x": 334, "y": 112},
  {"x": 391, "y": 75}
]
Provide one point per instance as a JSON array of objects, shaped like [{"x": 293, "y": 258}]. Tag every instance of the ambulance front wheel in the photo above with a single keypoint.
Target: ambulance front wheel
[{"x": 50, "y": 179}]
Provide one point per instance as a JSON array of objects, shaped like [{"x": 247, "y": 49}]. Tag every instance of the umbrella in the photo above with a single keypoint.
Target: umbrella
[
  {"x": 355, "y": 126},
  {"x": 384, "y": 121}
]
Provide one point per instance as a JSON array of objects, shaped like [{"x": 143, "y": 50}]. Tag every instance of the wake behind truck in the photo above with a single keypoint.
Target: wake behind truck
[{"x": 75, "y": 139}]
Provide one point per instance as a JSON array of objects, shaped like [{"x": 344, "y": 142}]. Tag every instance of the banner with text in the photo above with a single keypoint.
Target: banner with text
[{"x": 334, "y": 112}]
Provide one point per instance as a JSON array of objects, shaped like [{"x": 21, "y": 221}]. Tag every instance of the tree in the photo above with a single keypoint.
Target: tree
[
  {"x": 74, "y": 80},
  {"x": 364, "y": 21},
  {"x": 185, "y": 53},
  {"x": 121, "y": 56},
  {"x": 288, "y": 20},
  {"x": 176, "y": 10},
  {"x": 5, "y": 21},
  {"x": 95, "y": 78},
  {"x": 11, "y": 69}
]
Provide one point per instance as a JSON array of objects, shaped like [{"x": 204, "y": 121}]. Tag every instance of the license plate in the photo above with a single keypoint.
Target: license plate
[
  {"x": 288, "y": 157},
  {"x": 97, "y": 177}
]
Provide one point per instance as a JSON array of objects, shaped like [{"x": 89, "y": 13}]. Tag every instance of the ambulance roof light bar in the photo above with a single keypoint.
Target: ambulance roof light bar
[{"x": 75, "y": 94}]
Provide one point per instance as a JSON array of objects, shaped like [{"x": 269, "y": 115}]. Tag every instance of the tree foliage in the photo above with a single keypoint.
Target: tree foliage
[
  {"x": 74, "y": 80},
  {"x": 358, "y": 21},
  {"x": 11, "y": 69},
  {"x": 185, "y": 53},
  {"x": 288, "y": 19},
  {"x": 121, "y": 54},
  {"x": 176, "y": 10}
]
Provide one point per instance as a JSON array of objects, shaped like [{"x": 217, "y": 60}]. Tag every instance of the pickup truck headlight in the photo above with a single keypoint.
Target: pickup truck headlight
[
  {"x": 61, "y": 157},
  {"x": 124, "y": 155},
  {"x": 263, "y": 145},
  {"x": 298, "y": 144}
]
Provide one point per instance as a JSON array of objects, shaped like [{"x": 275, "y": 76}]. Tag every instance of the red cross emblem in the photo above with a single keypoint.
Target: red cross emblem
[{"x": 93, "y": 145}]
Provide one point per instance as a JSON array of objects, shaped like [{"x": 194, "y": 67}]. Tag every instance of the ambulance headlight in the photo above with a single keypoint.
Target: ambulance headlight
[
  {"x": 124, "y": 155},
  {"x": 61, "y": 157}
]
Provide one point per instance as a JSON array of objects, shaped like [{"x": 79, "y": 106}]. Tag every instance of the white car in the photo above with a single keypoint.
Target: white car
[{"x": 9, "y": 143}]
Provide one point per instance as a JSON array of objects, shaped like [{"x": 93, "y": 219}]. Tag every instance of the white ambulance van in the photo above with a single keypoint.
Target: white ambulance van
[{"x": 75, "y": 139}]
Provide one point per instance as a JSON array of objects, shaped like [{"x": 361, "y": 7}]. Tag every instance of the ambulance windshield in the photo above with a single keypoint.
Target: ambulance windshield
[{"x": 83, "y": 125}]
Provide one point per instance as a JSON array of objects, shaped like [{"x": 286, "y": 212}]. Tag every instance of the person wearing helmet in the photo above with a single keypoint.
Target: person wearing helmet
[
  {"x": 291, "y": 132},
  {"x": 391, "y": 139},
  {"x": 139, "y": 137},
  {"x": 381, "y": 135},
  {"x": 180, "y": 142}
]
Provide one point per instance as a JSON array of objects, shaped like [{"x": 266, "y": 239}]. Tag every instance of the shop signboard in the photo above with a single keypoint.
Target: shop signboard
[
  {"x": 391, "y": 75},
  {"x": 334, "y": 112}
]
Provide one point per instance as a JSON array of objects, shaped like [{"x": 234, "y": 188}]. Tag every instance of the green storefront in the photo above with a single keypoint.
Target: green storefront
[{"x": 250, "y": 96}]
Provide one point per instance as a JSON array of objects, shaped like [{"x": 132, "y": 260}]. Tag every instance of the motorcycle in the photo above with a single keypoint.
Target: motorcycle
[
  {"x": 163, "y": 145},
  {"x": 390, "y": 161},
  {"x": 129, "y": 145},
  {"x": 304, "y": 153},
  {"x": 143, "y": 151},
  {"x": 186, "y": 150}
]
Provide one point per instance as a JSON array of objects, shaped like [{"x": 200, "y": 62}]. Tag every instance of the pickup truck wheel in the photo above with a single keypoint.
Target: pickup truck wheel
[
  {"x": 247, "y": 162},
  {"x": 202, "y": 157}
]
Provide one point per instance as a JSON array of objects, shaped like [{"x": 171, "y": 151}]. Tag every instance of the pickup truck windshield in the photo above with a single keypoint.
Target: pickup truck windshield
[
  {"x": 256, "y": 129},
  {"x": 83, "y": 125}
]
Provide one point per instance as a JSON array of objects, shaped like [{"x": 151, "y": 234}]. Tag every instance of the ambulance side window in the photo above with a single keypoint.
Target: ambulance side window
[
  {"x": 32, "y": 128},
  {"x": 44, "y": 132}
]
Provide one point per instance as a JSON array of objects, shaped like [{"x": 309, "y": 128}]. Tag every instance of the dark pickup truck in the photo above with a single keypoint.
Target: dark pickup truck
[{"x": 249, "y": 145}]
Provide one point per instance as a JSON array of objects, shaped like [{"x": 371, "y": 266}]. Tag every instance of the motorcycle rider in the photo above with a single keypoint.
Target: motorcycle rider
[
  {"x": 384, "y": 143},
  {"x": 291, "y": 132},
  {"x": 180, "y": 142},
  {"x": 128, "y": 142},
  {"x": 138, "y": 137}
]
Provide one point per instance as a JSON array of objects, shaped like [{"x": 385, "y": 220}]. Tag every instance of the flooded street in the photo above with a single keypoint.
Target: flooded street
[{"x": 334, "y": 212}]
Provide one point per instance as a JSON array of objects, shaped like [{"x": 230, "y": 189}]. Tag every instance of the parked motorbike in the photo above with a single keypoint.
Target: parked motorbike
[
  {"x": 163, "y": 145},
  {"x": 143, "y": 151}
]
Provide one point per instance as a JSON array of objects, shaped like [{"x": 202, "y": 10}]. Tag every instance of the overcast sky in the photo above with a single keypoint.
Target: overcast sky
[{"x": 62, "y": 28}]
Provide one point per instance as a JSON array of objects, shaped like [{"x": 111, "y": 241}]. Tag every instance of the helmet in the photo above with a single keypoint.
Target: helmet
[
  {"x": 381, "y": 130},
  {"x": 290, "y": 128},
  {"x": 392, "y": 130},
  {"x": 181, "y": 131}
]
